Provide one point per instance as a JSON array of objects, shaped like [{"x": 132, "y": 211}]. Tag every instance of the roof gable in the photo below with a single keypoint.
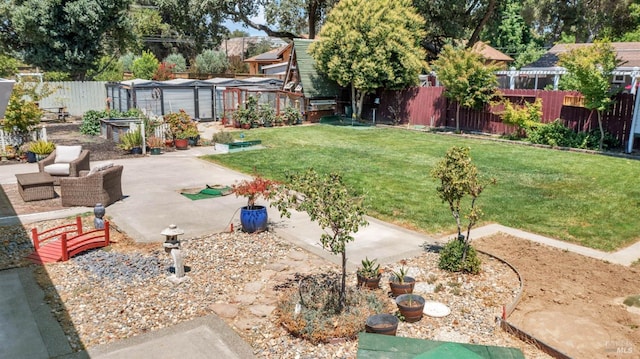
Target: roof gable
[
  {"x": 314, "y": 84},
  {"x": 490, "y": 53}
]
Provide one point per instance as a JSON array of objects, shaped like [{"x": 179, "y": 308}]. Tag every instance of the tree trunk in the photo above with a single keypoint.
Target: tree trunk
[
  {"x": 343, "y": 285},
  {"x": 458, "y": 117},
  {"x": 601, "y": 130},
  {"x": 313, "y": 18},
  {"x": 360, "y": 102},
  {"x": 476, "y": 32},
  {"x": 353, "y": 100}
]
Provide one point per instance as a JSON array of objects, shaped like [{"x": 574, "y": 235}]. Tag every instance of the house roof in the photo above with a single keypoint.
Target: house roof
[
  {"x": 237, "y": 45},
  {"x": 314, "y": 84},
  {"x": 489, "y": 52},
  {"x": 269, "y": 56},
  {"x": 628, "y": 52}
]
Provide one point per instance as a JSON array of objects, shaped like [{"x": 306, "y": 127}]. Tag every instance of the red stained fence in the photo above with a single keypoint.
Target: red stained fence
[{"x": 427, "y": 106}]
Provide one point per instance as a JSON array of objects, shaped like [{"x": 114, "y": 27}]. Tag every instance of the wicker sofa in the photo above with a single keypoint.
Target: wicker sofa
[
  {"x": 100, "y": 185},
  {"x": 59, "y": 167}
]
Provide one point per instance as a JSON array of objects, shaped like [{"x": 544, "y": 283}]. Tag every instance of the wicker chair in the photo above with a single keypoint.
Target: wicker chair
[
  {"x": 58, "y": 169},
  {"x": 101, "y": 186}
]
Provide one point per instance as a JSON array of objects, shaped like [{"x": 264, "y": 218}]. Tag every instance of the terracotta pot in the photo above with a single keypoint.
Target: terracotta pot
[
  {"x": 386, "y": 324},
  {"x": 410, "y": 306},
  {"x": 181, "y": 143},
  {"x": 398, "y": 288},
  {"x": 370, "y": 283}
]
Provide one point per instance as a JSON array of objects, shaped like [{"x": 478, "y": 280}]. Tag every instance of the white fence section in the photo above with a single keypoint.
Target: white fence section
[
  {"x": 77, "y": 96},
  {"x": 13, "y": 139}
]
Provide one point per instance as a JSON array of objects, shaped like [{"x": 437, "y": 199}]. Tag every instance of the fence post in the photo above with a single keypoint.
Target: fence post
[{"x": 3, "y": 142}]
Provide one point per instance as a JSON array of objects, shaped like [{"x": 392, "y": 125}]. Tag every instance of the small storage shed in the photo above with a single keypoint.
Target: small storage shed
[{"x": 201, "y": 99}]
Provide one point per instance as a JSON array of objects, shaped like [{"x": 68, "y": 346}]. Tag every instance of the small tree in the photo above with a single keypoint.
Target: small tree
[
  {"x": 459, "y": 179},
  {"x": 145, "y": 66},
  {"x": 467, "y": 79},
  {"x": 591, "y": 69},
  {"x": 178, "y": 61},
  {"x": 327, "y": 201}
]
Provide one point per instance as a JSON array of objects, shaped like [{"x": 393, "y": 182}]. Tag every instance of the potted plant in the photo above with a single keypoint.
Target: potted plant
[
  {"x": 400, "y": 283},
  {"x": 42, "y": 148},
  {"x": 369, "y": 274},
  {"x": 182, "y": 127},
  {"x": 254, "y": 217},
  {"x": 267, "y": 114},
  {"x": 292, "y": 116},
  {"x": 131, "y": 141},
  {"x": 155, "y": 145},
  {"x": 386, "y": 324},
  {"x": 410, "y": 306}
]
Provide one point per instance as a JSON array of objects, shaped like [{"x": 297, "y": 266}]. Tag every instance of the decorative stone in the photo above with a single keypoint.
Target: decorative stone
[
  {"x": 253, "y": 287},
  {"x": 262, "y": 310},
  {"x": 435, "y": 309},
  {"x": 225, "y": 310}
]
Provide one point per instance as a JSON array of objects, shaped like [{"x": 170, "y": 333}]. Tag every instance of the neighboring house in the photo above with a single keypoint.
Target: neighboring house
[
  {"x": 237, "y": 46},
  {"x": 492, "y": 55},
  {"x": 319, "y": 94},
  {"x": 546, "y": 71},
  {"x": 273, "y": 62}
]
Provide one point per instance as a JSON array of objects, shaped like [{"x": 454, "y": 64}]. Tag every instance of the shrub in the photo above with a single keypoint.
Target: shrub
[
  {"x": 57, "y": 76},
  {"x": 145, "y": 66},
  {"x": 222, "y": 137},
  {"x": 91, "y": 119},
  {"x": 451, "y": 258},
  {"x": 164, "y": 72},
  {"x": 211, "y": 62},
  {"x": 42, "y": 147},
  {"x": 127, "y": 61},
  {"x": 178, "y": 62},
  {"x": 553, "y": 134},
  {"x": 311, "y": 312},
  {"x": 525, "y": 117}
]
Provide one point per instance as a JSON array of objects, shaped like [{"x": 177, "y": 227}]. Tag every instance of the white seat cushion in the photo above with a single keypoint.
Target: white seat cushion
[
  {"x": 66, "y": 154},
  {"x": 58, "y": 169}
]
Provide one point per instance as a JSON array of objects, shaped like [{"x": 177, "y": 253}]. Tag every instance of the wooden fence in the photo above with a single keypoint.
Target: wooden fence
[{"x": 427, "y": 106}]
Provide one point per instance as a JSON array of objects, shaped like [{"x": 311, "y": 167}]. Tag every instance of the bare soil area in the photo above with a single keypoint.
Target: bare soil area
[{"x": 571, "y": 302}]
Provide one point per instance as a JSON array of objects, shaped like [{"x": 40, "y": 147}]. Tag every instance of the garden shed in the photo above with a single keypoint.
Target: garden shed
[{"x": 201, "y": 99}]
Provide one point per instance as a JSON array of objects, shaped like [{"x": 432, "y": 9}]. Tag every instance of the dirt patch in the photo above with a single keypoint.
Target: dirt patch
[{"x": 571, "y": 302}]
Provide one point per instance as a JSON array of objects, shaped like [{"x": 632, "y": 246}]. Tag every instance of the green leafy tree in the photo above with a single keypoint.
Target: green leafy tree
[
  {"x": 65, "y": 35},
  {"x": 449, "y": 21},
  {"x": 467, "y": 79},
  {"x": 591, "y": 67},
  {"x": 298, "y": 16},
  {"x": 507, "y": 31},
  {"x": 366, "y": 45},
  {"x": 327, "y": 201},
  {"x": 258, "y": 48},
  {"x": 460, "y": 188},
  {"x": 238, "y": 33},
  {"x": 145, "y": 66},
  {"x": 8, "y": 66},
  {"x": 178, "y": 61},
  {"x": 530, "y": 54},
  {"x": 107, "y": 69},
  {"x": 23, "y": 113},
  {"x": 211, "y": 62}
]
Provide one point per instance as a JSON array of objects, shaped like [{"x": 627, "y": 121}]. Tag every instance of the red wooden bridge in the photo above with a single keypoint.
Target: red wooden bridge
[{"x": 65, "y": 241}]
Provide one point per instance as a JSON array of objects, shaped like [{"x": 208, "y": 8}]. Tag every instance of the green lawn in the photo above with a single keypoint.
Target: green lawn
[{"x": 588, "y": 199}]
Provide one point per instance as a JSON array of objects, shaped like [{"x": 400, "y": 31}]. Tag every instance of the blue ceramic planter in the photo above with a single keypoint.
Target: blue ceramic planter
[{"x": 253, "y": 219}]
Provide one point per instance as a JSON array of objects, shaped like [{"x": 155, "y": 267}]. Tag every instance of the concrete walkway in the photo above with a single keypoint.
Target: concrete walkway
[{"x": 151, "y": 186}]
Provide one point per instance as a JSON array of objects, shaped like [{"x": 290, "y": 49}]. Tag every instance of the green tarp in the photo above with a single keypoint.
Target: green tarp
[{"x": 209, "y": 192}]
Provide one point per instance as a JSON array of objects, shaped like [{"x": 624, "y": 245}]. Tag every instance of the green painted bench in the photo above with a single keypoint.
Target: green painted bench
[{"x": 378, "y": 346}]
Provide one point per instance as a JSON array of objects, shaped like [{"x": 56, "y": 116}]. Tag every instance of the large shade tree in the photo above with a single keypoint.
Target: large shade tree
[
  {"x": 467, "y": 79},
  {"x": 591, "y": 68},
  {"x": 64, "y": 35},
  {"x": 365, "y": 45},
  {"x": 448, "y": 21}
]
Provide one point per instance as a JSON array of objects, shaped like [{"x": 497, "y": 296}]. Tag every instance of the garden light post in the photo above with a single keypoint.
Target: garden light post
[{"x": 172, "y": 246}]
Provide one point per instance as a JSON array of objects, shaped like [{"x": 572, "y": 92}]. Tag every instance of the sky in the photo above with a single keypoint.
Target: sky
[{"x": 240, "y": 26}]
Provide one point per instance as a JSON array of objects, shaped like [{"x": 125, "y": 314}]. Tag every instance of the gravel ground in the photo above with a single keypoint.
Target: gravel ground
[{"x": 124, "y": 290}]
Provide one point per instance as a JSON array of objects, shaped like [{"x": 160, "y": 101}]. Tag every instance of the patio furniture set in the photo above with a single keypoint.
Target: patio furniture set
[{"x": 80, "y": 185}]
